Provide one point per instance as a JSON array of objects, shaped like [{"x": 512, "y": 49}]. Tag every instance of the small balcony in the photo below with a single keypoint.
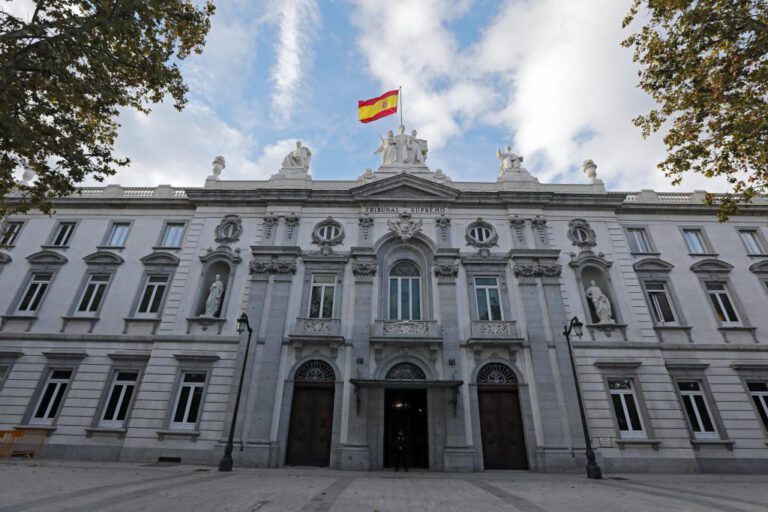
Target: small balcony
[
  {"x": 317, "y": 327},
  {"x": 494, "y": 330},
  {"x": 422, "y": 329}
]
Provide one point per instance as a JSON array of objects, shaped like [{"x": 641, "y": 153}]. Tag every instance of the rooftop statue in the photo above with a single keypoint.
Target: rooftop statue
[
  {"x": 402, "y": 150},
  {"x": 508, "y": 160},
  {"x": 298, "y": 158}
]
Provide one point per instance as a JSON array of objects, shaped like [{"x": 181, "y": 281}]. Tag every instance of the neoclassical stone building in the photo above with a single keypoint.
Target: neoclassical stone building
[{"x": 399, "y": 302}]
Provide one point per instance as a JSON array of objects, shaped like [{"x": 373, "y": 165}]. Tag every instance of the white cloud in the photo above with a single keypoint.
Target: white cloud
[
  {"x": 551, "y": 74},
  {"x": 297, "y": 21},
  {"x": 178, "y": 147}
]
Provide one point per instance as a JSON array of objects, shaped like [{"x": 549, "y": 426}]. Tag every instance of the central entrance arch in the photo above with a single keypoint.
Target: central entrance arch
[
  {"x": 501, "y": 425},
  {"x": 310, "y": 431},
  {"x": 405, "y": 411}
]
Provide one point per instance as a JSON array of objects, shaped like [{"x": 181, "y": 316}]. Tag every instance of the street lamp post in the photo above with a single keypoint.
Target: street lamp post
[
  {"x": 593, "y": 470},
  {"x": 225, "y": 464}
]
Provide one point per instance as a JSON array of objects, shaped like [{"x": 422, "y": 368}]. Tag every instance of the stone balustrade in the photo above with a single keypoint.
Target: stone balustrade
[{"x": 406, "y": 328}]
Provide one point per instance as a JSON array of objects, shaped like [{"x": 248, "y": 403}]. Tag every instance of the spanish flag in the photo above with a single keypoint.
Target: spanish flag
[{"x": 376, "y": 108}]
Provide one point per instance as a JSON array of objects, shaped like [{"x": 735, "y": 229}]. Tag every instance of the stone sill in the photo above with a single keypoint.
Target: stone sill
[
  {"x": 93, "y": 320},
  {"x": 110, "y": 247},
  {"x": 191, "y": 434},
  {"x": 60, "y": 247},
  {"x": 644, "y": 254},
  {"x": 757, "y": 255},
  {"x": 672, "y": 327},
  {"x": 653, "y": 443},
  {"x": 49, "y": 429},
  {"x": 30, "y": 319},
  {"x": 726, "y": 443},
  {"x": 704, "y": 254},
  {"x": 160, "y": 248},
  {"x": 736, "y": 328},
  {"x": 118, "y": 432}
]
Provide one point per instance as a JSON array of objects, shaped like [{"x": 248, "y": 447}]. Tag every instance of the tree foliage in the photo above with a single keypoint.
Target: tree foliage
[
  {"x": 67, "y": 70},
  {"x": 705, "y": 62}
]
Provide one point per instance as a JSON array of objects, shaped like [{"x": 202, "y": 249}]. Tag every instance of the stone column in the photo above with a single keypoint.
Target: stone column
[
  {"x": 273, "y": 270},
  {"x": 356, "y": 453},
  {"x": 457, "y": 456}
]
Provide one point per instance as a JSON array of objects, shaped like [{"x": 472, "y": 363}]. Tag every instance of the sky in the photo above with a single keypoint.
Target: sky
[{"x": 547, "y": 77}]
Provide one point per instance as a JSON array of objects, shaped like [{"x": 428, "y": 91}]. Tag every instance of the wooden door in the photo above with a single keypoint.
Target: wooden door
[
  {"x": 309, "y": 434},
  {"x": 501, "y": 428}
]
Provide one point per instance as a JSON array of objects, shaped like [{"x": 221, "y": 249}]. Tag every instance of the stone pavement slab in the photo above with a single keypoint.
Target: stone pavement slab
[{"x": 57, "y": 486}]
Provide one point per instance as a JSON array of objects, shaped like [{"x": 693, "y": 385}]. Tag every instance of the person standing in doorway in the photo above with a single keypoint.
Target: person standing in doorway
[{"x": 401, "y": 450}]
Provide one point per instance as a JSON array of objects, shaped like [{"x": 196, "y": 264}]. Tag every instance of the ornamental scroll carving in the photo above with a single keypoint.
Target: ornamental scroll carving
[
  {"x": 405, "y": 327},
  {"x": 364, "y": 269},
  {"x": 539, "y": 224},
  {"x": 443, "y": 225},
  {"x": 581, "y": 234},
  {"x": 229, "y": 229},
  {"x": 518, "y": 226},
  {"x": 318, "y": 325},
  {"x": 496, "y": 327},
  {"x": 272, "y": 267},
  {"x": 366, "y": 223},
  {"x": 406, "y": 228},
  {"x": 291, "y": 221},
  {"x": 270, "y": 221},
  {"x": 537, "y": 270},
  {"x": 446, "y": 270}
]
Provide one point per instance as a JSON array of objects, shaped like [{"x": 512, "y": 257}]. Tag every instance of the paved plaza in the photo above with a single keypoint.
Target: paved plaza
[{"x": 47, "y": 486}]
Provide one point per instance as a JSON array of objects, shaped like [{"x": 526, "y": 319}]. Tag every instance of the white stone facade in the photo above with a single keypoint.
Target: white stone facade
[{"x": 496, "y": 270}]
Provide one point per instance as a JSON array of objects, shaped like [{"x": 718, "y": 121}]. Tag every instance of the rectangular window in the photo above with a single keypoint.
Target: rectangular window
[
  {"x": 759, "y": 392},
  {"x": 93, "y": 293},
  {"x": 721, "y": 301},
  {"x": 694, "y": 240},
  {"x": 63, "y": 233},
  {"x": 119, "y": 399},
  {"x": 188, "y": 400},
  {"x": 321, "y": 300},
  {"x": 661, "y": 306},
  {"x": 751, "y": 241},
  {"x": 638, "y": 240},
  {"x": 697, "y": 410},
  {"x": 488, "y": 298},
  {"x": 174, "y": 232},
  {"x": 9, "y": 232},
  {"x": 404, "y": 298},
  {"x": 118, "y": 234},
  {"x": 625, "y": 408},
  {"x": 153, "y": 294},
  {"x": 52, "y": 395},
  {"x": 35, "y": 292}
]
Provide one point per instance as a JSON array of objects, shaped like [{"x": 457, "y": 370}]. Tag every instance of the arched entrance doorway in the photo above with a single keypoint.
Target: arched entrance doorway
[
  {"x": 406, "y": 413},
  {"x": 501, "y": 425},
  {"x": 309, "y": 434}
]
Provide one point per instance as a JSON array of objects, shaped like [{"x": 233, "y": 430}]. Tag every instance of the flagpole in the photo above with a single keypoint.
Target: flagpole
[{"x": 400, "y": 101}]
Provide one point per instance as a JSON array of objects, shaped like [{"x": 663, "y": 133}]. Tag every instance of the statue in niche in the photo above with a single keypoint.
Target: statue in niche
[
  {"x": 388, "y": 149},
  {"x": 508, "y": 160},
  {"x": 213, "y": 302},
  {"x": 298, "y": 158},
  {"x": 601, "y": 303}
]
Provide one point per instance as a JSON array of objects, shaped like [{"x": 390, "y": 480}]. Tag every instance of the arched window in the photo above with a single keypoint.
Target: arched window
[
  {"x": 496, "y": 373},
  {"x": 315, "y": 371},
  {"x": 406, "y": 371},
  {"x": 404, "y": 291}
]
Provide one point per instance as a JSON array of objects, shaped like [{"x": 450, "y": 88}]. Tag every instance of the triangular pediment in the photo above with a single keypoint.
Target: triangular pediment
[{"x": 403, "y": 186}]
